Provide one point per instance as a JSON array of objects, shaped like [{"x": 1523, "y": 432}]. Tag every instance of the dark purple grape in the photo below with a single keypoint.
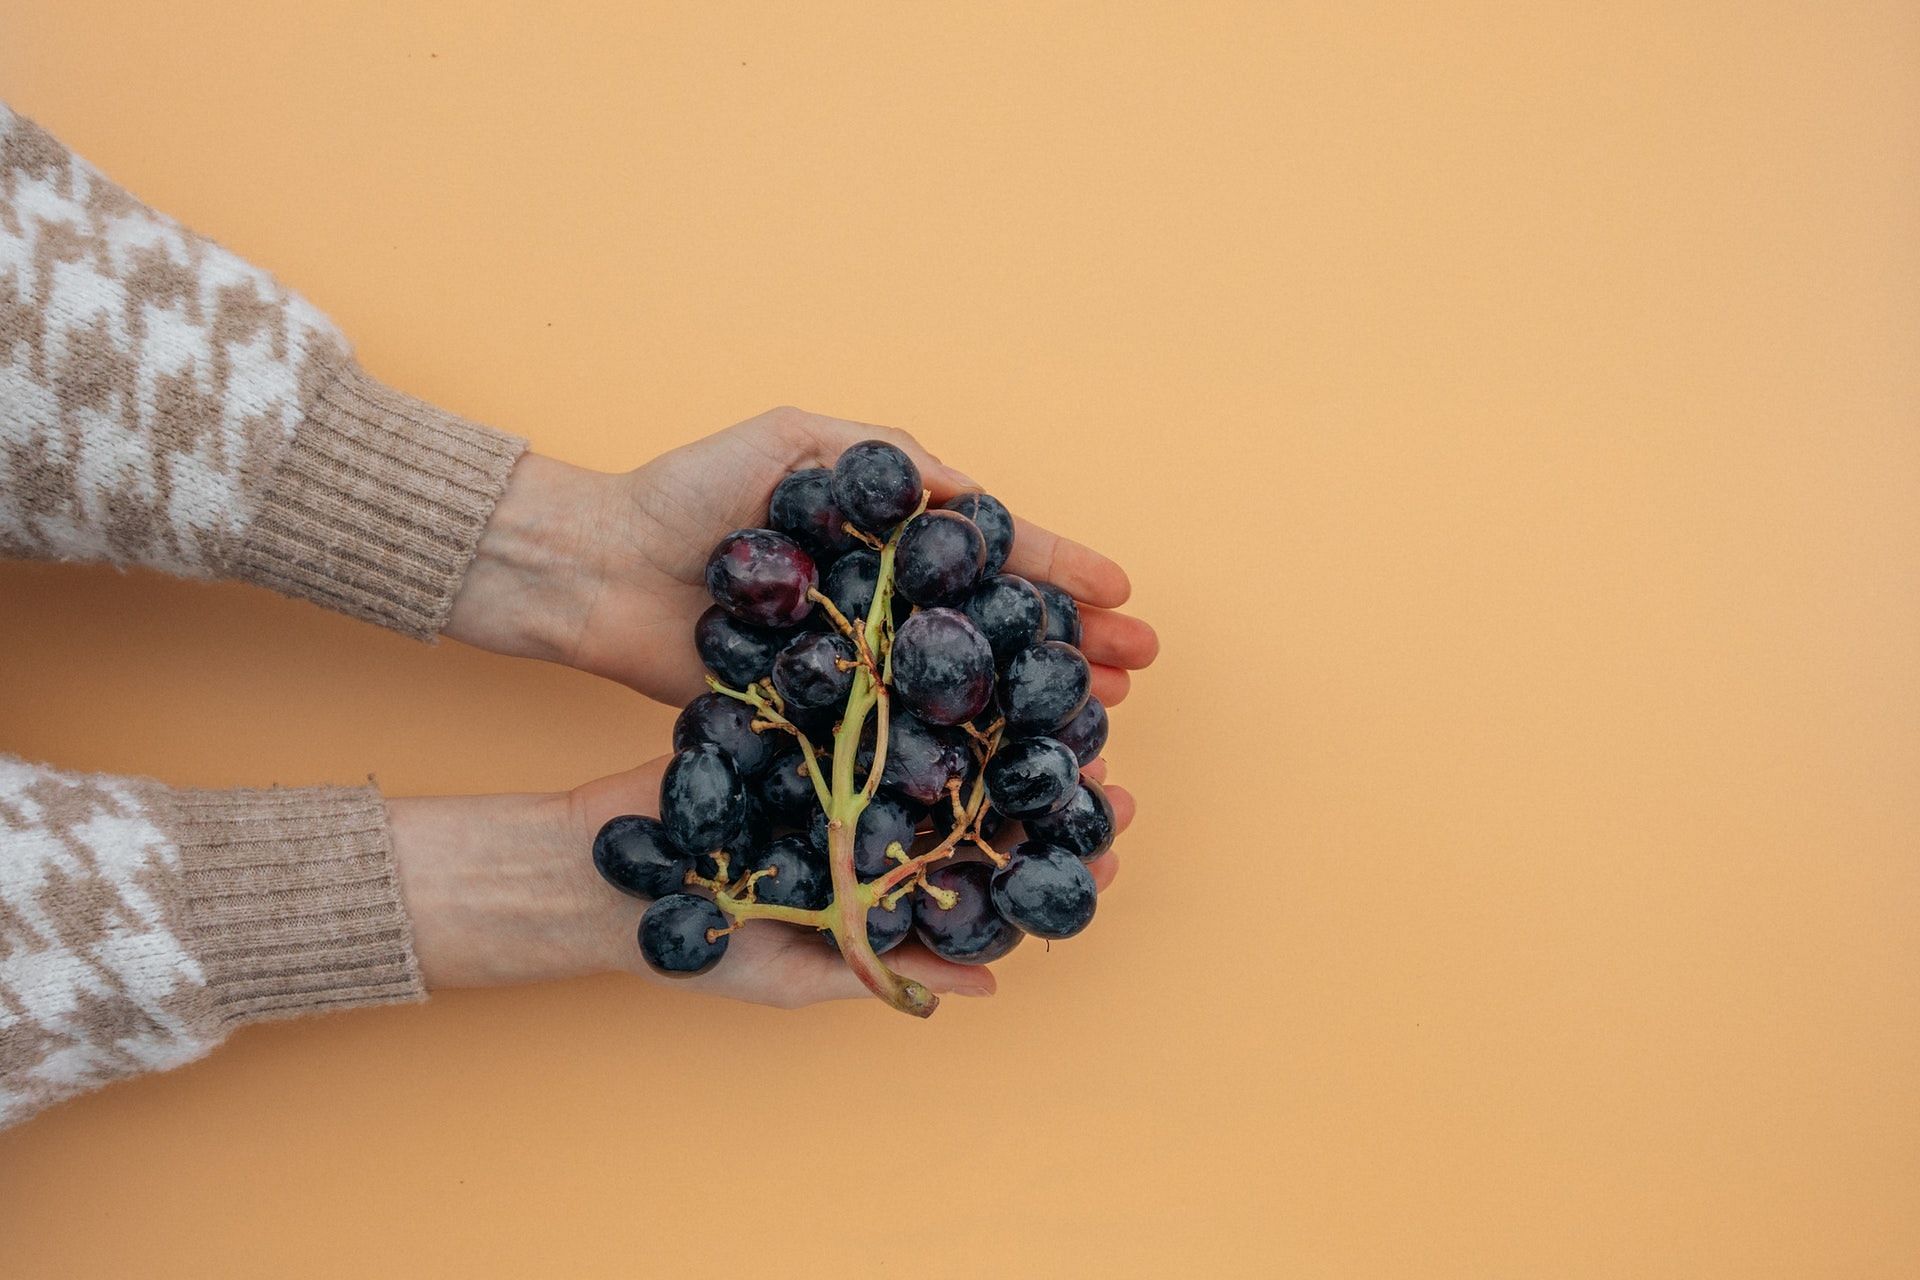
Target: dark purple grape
[
  {"x": 800, "y": 876},
  {"x": 703, "y": 804},
  {"x": 674, "y": 935},
  {"x": 762, "y": 578},
  {"x": 886, "y": 820},
  {"x": 850, "y": 584},
  {"x": 786, "y": 789},
  {"x": 737, "y": 653},
  {"x": 1086, "y": 734},
  {"x": 921, "y": 760},
  {"x": 972, "y": 930},
  {"x": 876, "y": 486},
  {"x": 634, "y": 855},
  {"x": 1045, "y": 891},
  {"x": 1083, "y": 826},
  {"x": 1029, "y": 777},
  {"x": 939, "y": 558},
  {"x": 1009, "y": 613},
  {"x": 994, "y": 522},
  {"x": 1044, "y": 687},
  {"x": 802, "y": 507},
  {"x": 1063, "y": 614},
  {"x": 887, "y": 927},
  {"x": 808, "y": 674},
  {"x": 942, "y": 667},
  {"x": 728, "y": 724}
]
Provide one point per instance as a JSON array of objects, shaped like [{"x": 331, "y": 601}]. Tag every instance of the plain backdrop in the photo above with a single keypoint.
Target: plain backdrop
[{"x": 1508, "y": 414}]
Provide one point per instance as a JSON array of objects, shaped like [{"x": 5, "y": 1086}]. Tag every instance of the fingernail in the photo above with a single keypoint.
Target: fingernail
[
  {"x": 973, "y": 991},
  {"x": 964, "y": 480}
]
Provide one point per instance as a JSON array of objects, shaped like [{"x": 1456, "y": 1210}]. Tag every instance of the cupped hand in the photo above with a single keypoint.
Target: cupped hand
[
  {"x": 606, "y": 572},
  {"x": 502, "y": 890}
]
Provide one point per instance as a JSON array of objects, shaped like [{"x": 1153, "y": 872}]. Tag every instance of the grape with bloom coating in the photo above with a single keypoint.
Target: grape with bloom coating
[
  {"x": 675, "y": 936},
  {"x": 1009, "y": 612},
  {"x": 762, "y": 578},
  {"x": 1031, "y": 777},
  {"x": 633, "y": 854},
  {"x": 1045, "y": 686},
  {"x": 1086, "y": 734},
  {"x": 802, "y": 507},
  {"x": 887, "y": 820},
  {"x": 1046, "y": 891},
  {"x": 994, "y": 521},
  {"x": 728, "y": 724},
  {"x": 736, "y": 652},
  {"x": 942, "y": 667},
  {"x": 1083, "y": 826},
  {"x": 800, "y": 875},
  {"x": 939, "y": 558},
  {"x": 702, "y": 802},
  {"x": 921, "y": 759},
  {"x": 785, "y": 790},
  {"x": 850, "y": 585},
  {"x": 1063, "y": 614},
  {"x": 876, "y": 485},
  {"x": 972, "y": 930},
  {"x": 809, "y": 673}
]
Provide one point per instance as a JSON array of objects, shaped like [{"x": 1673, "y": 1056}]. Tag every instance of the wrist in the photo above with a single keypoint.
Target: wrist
[
  {"x": 497, "y": 893},
  {"x": 535, "y": 574}
]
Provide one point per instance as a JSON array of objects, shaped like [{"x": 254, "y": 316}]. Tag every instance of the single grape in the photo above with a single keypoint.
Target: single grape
[
  {"x": 808, "y": 674},
  {"x": 634, "y": 855},
  {"x": 739, "y": 654},
  {"x": 762, "y": 578},
  {"x": 1083, "y": 826},
  {"x": 674, "y": 935},
  {"x": 802, "y": 507},
  {"x": 942, "y": 667},
  {"x": 921, "y": 759},
  {"x": 1086, "y": 734},
  {"x": 940, "y": 557},
  {"x": 887, "y": 927},
  {"x": 994, "y": 521},
  {"x": 786, "y": 788},
  {"x": 800, "y": 876},
  {"x": 1045, "y": 891},
  {"x": 1044, "y": 687},
  {"x": 1009, "y": 613},
  {"x": 850, "y": 585},
  {"x": 703, "y": 804},
  {"x": 728, "y": 724},
  {"x": 1063, "y": 614},
  {"x": 886, "y": 820},
  {"x": 972, "y": 930},
  {"x": 1031, "y": 777},
  {"x": 876, "y": 486}
]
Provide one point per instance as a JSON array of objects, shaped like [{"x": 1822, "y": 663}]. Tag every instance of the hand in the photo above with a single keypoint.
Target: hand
[
  {"x": 606, "y": 572},
  {"x": 502, "y": 890}
]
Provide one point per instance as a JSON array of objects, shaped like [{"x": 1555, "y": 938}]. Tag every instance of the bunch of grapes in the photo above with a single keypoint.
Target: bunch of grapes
[{"x": 885, "y": 703}]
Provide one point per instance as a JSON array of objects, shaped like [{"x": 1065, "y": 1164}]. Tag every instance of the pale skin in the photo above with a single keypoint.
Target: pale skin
[{"x": 604, "y": 572}]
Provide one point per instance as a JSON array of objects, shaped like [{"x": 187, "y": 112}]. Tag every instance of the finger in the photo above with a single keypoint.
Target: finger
[
  {"x": 1123, "y": 807},
  {"x": 1110, "y": 684},
  {"x": 1104, "y": 869},
  {"x": 1116, "y": 639},
  {"x": 1097, "y": 770},
  {"x": 634, "y": 791},
  {"x": 911, "y": 961},
  {"x": 1083, "y": 573}
]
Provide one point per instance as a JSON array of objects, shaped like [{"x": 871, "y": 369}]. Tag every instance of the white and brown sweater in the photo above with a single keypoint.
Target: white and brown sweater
[{"x": 163, "y": 403}]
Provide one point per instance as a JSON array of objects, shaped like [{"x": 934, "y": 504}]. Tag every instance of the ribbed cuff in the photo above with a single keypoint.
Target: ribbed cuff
[
  {"x": 378, "y": 506},
  {"x": 290, "y": 900}
]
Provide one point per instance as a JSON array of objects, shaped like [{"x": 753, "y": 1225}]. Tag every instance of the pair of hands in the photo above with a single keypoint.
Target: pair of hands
[{"x": 606, "y": 573}]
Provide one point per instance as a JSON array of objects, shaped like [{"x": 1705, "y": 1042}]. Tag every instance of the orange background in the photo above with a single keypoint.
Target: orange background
[{"x": 1512, "y": 423}]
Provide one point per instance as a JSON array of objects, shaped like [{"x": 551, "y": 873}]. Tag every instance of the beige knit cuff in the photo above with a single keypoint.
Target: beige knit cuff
[
  {"x": 290, "y": 902},
  {"x": 378, "y": 506}
]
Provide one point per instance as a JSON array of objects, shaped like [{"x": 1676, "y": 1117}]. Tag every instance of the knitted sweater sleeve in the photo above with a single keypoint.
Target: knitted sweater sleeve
[{"x": 163, "y": 403}]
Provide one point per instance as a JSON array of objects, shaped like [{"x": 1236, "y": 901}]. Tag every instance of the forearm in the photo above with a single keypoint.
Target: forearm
[{"x": 140, "y": 924}]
